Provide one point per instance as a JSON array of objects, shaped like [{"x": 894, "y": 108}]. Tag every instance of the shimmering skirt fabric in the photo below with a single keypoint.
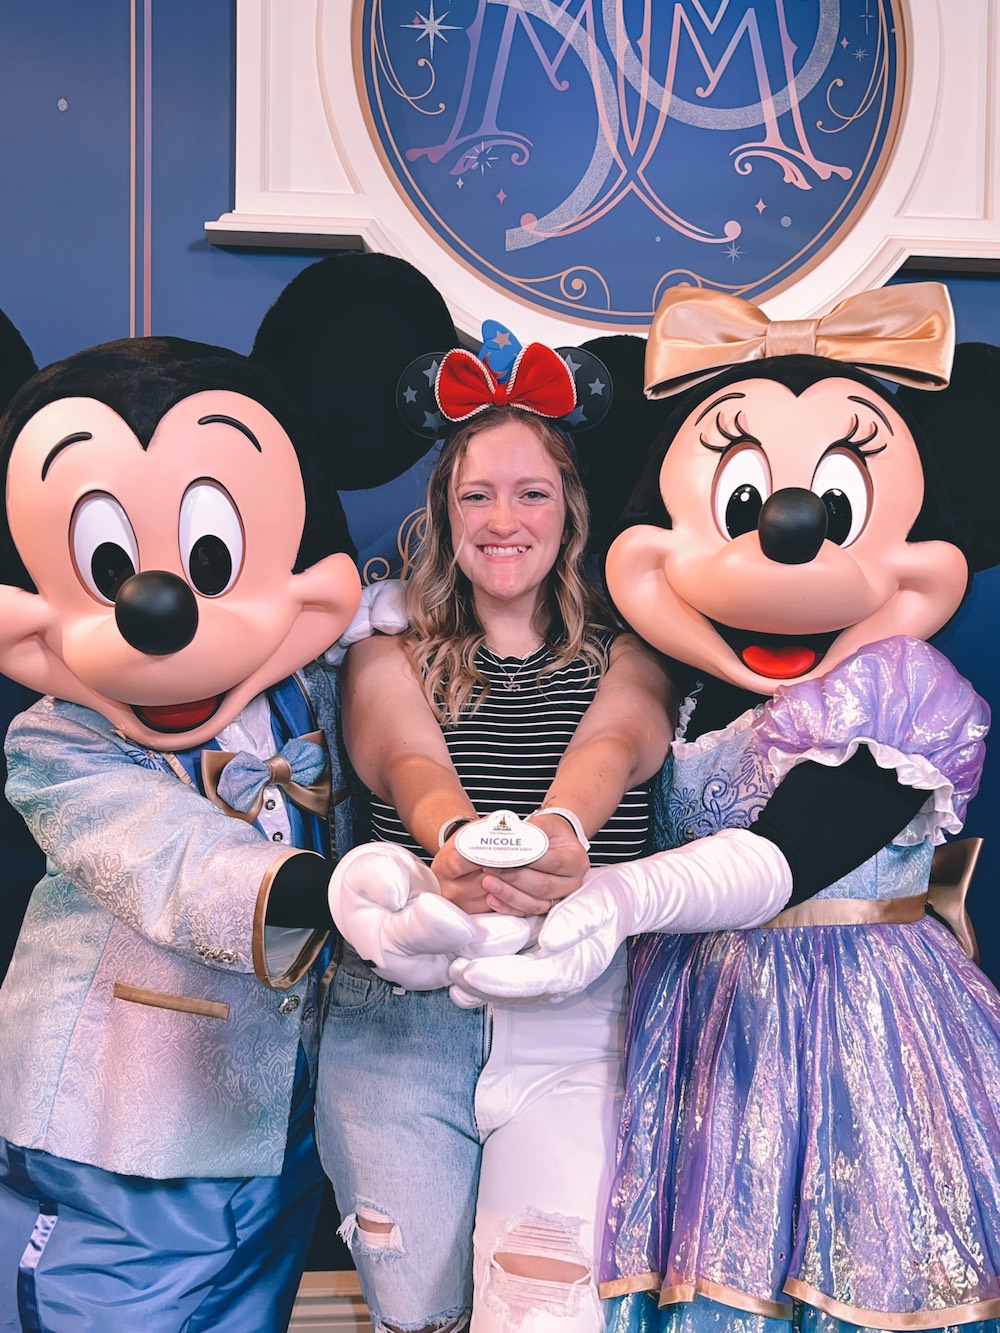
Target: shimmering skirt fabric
[{"x": 810, "y": 1131}]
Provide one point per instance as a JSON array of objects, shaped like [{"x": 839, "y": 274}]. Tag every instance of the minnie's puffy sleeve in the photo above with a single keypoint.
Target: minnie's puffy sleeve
[{"x": 908, "y": 705}]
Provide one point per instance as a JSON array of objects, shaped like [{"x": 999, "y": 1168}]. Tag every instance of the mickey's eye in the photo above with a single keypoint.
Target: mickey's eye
[
  {"x": 105, "y": 551},
  {"x": 211, "y": 538},
  {"x": 742, "y": 484},
  {"x": 843, "y": 484}
]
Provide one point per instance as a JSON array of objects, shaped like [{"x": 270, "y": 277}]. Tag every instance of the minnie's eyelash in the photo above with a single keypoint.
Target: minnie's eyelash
[
  {"x": 739, "y": 436},
  {"x": 856, "y": 446}
]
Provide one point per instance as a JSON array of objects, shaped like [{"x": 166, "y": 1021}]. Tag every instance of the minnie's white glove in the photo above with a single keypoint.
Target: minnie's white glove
[
  {"x": 730, "y": 881},
  {"x": 386, "y": 903},
  {"x": 382, "y": 611}
]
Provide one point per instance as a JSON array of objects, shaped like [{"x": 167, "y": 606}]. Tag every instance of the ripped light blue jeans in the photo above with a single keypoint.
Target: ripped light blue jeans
[{"x": 476, "y": 1134}]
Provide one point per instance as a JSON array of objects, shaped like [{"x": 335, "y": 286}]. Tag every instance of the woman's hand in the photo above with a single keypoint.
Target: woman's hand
[
  {"x": 527, "y": 891},
  {"x": 531, "y": 890},
  {"x": 461, "y": 881}
]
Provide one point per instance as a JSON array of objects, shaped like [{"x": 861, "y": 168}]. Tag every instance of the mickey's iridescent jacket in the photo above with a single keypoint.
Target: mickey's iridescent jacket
[{"x": 150, "y": 1022}]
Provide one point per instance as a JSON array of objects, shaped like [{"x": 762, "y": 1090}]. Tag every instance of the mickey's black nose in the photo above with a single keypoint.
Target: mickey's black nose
[
  {"x": 792, "y": 526},
  {"x": 156, "y": 613}
]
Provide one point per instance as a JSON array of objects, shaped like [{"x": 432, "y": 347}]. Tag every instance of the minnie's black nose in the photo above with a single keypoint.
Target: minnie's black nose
[
  {"x": 792, "y": 526},
  {"x": 156, "y": 613}
]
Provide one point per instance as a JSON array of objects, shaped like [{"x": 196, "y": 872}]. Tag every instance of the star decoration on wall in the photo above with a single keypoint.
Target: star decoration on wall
[{"x": 430, "y": 26}]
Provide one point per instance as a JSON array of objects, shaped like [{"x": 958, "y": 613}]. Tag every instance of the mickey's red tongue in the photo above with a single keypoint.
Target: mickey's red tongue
[{"x": 779, "y": 663}]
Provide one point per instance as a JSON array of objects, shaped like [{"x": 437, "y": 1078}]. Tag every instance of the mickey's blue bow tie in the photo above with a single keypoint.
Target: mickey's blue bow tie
[{"x": 236, "y": 781}]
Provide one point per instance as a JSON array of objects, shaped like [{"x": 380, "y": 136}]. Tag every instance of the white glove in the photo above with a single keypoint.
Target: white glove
[
  {"x": 382, "y": 611},
  {"x": 386, "y": 903},
  {"x": 730, "y": 881}
]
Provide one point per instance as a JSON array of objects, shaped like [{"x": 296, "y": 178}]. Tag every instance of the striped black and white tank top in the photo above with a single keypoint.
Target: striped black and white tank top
[{"x": 506, "y": 751}]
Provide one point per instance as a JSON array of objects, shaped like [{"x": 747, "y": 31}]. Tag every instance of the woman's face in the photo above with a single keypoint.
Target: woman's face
[{"x": 508, "y": 516}]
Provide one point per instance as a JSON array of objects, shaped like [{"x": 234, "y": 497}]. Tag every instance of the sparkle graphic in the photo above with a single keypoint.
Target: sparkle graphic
[
  {"x": 732, "y": 252},
  {"x": 860, "y": 54},
  {"x": 868, "y": 16},
  {"x": 844, "y": 43},
  {"x": 430, "y": 26},
  {"x": 459, "y": 183},
  {"x": 760, "y": 206},
  {"x": 479, "y": 158},
  {"x": 501, "y": 194}
]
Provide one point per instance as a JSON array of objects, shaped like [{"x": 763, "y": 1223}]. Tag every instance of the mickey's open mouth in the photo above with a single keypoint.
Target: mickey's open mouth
[
  {"x": 777, "y": 656},
  {"x": 171, "y": 718}
]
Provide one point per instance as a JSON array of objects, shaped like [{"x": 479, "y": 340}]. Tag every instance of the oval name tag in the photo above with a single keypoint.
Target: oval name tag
[{"x": 501, "y": 841}]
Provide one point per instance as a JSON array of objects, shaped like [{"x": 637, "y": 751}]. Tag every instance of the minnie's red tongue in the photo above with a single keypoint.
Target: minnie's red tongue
[
  {"x": 177, "y": 717},
  {"x": 779, "y": 663}
]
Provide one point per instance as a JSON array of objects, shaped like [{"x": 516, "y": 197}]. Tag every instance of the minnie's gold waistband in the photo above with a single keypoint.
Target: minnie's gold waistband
[{"x": 851, "y": 912}]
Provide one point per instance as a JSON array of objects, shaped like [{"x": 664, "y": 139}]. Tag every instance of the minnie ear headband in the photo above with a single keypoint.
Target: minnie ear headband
[
  {"x": 904, "y": 333},
  {"x": 570, "y": 387}
]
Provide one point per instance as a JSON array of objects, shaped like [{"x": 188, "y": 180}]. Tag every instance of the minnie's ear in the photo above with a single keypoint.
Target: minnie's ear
[
  {"x": 17, "y": 365},
  {"x": 961, "y": 426},
  {"x": 338, "y": 338},
  {"x": 611, "y": 454}
]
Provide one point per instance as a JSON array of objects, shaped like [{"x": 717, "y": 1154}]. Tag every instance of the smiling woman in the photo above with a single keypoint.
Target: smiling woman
[{"x": 469, "y": 1148}]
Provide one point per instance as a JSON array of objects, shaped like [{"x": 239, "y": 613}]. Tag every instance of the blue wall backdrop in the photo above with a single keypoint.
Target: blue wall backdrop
[{"x": 116, "y": 144}]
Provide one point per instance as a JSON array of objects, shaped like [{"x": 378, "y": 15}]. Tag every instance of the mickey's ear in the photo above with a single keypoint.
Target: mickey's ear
[
  {"x": 611, "y": 454},
  {"x": 338, "y": 338},
  {"x": 17, "y": 365},
  {"x": 961, "y": 426}
]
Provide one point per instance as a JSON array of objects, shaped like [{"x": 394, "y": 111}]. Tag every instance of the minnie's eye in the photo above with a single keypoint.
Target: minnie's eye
[
  {"x": 842, "y": 483},
  {"x": 742, "y": 484},
  {"x": 211, "y": 538},
  {"x": 103, "y": 545}
]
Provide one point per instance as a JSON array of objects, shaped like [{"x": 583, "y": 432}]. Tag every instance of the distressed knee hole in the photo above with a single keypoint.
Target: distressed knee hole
[
  {"x": 539, "y": 1264},
  {"x": 371, "y": 1231}
]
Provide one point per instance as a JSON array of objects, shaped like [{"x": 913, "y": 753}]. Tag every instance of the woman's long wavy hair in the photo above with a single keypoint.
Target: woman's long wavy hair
[{"x": 445, "y": 632}]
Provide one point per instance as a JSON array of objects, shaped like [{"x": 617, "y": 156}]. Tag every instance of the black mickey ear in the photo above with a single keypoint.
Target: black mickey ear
[
  {"x": 594, "y": 390},
  {"x": 338, "y": 338},
  {"x": 611, "y": 456},
  {"x": 17, "y": 365},
  {"x": 415, "y": 401},
  {"x": 961, "y": 427}
]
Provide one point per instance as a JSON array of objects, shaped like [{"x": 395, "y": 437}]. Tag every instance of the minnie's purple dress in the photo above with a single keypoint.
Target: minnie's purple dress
[{"x": 811, "y": 1129}]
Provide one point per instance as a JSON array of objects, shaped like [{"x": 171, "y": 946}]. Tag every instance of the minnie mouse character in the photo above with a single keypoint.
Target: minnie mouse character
[
  {"x": 174, "y": 558},
  {"x": 811, "y": 1127}
]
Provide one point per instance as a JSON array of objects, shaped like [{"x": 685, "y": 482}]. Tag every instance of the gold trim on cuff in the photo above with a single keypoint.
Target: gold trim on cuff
[
  {"x": 184, "y": 1004},
  {"x": 851, "y": 912},
  {"x": 310, "y": 950},
  {"x": 855, "y": 1314}
]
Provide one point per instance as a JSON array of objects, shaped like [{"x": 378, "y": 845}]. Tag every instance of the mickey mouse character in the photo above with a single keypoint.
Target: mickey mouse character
[
  {"x": 174, "y": 558},
  {"x": 811, "y": 1129}
]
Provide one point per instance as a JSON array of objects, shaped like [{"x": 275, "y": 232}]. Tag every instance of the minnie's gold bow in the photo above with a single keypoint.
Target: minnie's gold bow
[{"x": 904, "y": 333}]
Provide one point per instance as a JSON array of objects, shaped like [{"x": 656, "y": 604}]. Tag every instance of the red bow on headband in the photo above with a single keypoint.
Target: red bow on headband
[{"x": 539, "y": 381}]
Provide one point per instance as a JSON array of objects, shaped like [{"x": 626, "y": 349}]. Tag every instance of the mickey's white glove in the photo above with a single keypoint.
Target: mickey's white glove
[
  {"x": 730, "y": 881},
  {"x": 386, "y": 903},
  {"x": 382, "y": 611}
]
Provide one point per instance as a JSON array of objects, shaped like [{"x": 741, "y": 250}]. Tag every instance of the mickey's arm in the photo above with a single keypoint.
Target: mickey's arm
[{"x": 150, "y": 849}]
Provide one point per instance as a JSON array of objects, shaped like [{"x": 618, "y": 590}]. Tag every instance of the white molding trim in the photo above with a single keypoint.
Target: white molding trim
[
  {"x": 330, "y": 1303},
  {"x": 308, "y": 175}
]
